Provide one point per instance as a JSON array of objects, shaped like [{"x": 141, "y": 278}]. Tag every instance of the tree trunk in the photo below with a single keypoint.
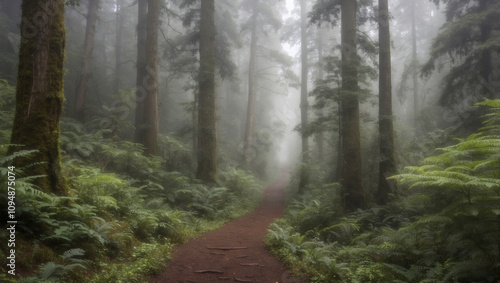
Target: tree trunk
[
  {"x": 141, "y": 91},
  {"x": 416, "y": 105},
  {"x": 120, "y": 18},
  {"x": 252, "y": 95},
  {"x": 207, "y": 146},
  {"x": 81, "y": 91},
  {"x": 39, "y": 93},
  {"x": 351, "y": 143},
  {"x": 304, "y": 104},
  {"x": 149, "y": 140},
  {"x": 320, "y": 136},
  {"x": 387, "y": 163}
]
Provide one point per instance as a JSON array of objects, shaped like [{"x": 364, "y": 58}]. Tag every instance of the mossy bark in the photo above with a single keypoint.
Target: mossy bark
[{"x": 39, "y": 94}]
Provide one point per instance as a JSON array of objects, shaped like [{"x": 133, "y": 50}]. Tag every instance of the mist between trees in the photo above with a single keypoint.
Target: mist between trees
[{"x": 385, "y": 112}]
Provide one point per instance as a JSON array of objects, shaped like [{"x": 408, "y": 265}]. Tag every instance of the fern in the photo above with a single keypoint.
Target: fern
[{"x": 59, "y": 272}]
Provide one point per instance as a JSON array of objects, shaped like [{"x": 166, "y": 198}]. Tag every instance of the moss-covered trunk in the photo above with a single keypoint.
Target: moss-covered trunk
[{"x": 39, "y": 94}]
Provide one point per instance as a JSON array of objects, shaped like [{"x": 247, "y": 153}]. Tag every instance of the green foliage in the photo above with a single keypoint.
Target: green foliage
[
  {"x": 123, "y": 209},
  {"x": 146, "y": 260},
  {"x": 446, "y": 229},
  {"x": 59, "y": 272}
]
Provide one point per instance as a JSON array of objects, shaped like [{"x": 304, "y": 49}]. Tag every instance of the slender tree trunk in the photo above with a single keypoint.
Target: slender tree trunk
[
  {"x": 149, "y": 140},
  {"x": 40, "y": 94},
  {"x": 252, "y": 95},
  {"x": 320, "y": 137},
  {"x": 387, "y": 163},
  {"x": 416, "y": 105},
  {"x": 81, "y": 91},
  {"x": 304, "y": 104},
  {"x": 485, "y": 61},
  {"x": 194, "y": 117},
  {"x": 141, "y": 90},
  {"x": 207, "y": 147},
  {"x": 351, "y": 142},
  {"x": 120, "y": 18},
  {"x": 339, "y": 172}
]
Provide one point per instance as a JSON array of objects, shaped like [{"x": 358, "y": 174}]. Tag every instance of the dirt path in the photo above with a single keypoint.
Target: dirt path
[{"x": 208, "y": 258}]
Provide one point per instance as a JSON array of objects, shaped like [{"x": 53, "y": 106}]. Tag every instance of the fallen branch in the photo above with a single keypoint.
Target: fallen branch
[
  {"x": 241, "y": 256},
  {"x": 249, "y": 264},
  {"x": 243, "y": 280},
  {"x": 209, "y": 271},
  {"x": 226, "y": 248},
  {"x": 223, "y": 278}
]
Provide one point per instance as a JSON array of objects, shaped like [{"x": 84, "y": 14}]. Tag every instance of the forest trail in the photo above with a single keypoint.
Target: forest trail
[{"x": 235, "y": 252}]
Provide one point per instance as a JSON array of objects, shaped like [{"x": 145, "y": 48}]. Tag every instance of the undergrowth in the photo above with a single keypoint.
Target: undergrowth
[
  {"x": 124, "y": 213},
  {"x": 444, "y": 227}
]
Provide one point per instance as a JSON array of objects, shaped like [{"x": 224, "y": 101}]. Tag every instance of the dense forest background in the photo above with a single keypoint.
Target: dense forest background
[{"x": 130, "y": 126}]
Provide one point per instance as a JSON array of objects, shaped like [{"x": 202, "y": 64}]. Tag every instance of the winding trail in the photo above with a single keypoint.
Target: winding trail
[{"x": 235, "y": 252}]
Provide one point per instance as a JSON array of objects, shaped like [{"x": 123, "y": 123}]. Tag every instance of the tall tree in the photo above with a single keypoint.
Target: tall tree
[
  {"x": 469, "y": 39},
  {"x": 252, "y": 92},
  {"x": 387, "y": 163},
  {"x": 81, "y": 91},
  {"x": 304, "y": 104},
  {"x": 351, "y": 141},
  {"x": 146, "y": 122},
  {"x": 207, "y": 145},
  {"x": 39, "y": 93},
  {"x": 141, "y": 92},
  {"x": 414, "y": 64},
  {"x": 120, "y": 19},
  {"x": 262, "y": 17},
  {"x": 149, "y": 139}
]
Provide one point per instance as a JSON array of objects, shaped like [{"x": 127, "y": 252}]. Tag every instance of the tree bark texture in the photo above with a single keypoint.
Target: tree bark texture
[
  {"x": 141, "y": 91},
  {"x": 248, "y": 150},
  {"x": 39, "y": 93},
  {"x": 207, "y": 145},
  {"x": 81, "y": 91},
  {"x": 304, "y": 104},
  {"x": 351, "y": 143},
  {"x": 387, "y": 163}
]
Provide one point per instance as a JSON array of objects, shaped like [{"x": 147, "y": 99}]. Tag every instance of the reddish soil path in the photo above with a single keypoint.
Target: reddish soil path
[{"x": 203, "y": 261}]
